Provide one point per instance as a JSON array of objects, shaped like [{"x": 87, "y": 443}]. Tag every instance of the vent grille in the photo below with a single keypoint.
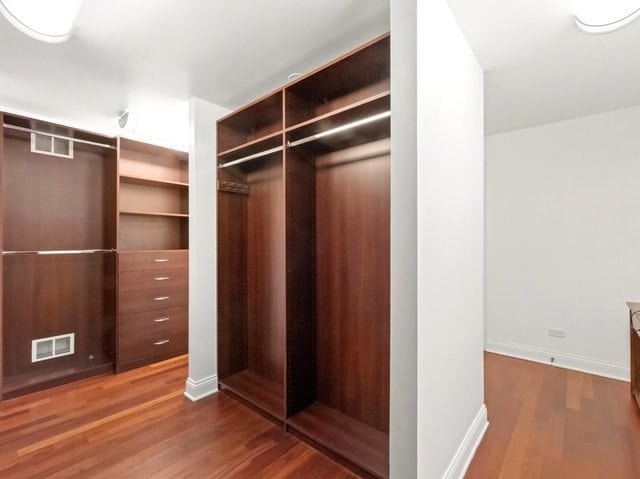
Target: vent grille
[
  {"x": 51, "y": 145},
  {"x": 54, "y": 347}
]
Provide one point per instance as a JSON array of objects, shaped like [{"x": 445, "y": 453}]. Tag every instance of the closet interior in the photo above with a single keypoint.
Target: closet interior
[
  {"x": 67, "y": 199},
  {"x": 303, "y": 256}
]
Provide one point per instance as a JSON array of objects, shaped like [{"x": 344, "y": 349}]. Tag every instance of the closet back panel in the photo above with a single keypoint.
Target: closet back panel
[
  {"x": 352, "y": 282},
  {"x": 153, "y": 233},
  {"x": 57, "y": 203},
  {"x": 53, "y": 295},
  {"x": 152, "y": 162},
  {"x": 143, "y": 198},
  {"x": 232, "y": 279},
  {"x": 266, "y": 271}
]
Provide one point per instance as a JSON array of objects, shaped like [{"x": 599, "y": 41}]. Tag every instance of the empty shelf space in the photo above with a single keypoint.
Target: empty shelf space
[
  {"x": 359, "y": 110},
  {"x": 255, "y": 149},
  {"x": 152, "y": 213},
  {"x": 138, "y": 180},
  {"x": 261, "y": 392},
  {"x": 360, "y": 444}
]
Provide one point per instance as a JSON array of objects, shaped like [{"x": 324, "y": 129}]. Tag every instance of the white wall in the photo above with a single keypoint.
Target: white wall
[
  {"x": 563, "y": 242},
  {"x": 203, "y": 362},
  {"x": 437, "y": 410},
  {"x": 451, "y": 412}
]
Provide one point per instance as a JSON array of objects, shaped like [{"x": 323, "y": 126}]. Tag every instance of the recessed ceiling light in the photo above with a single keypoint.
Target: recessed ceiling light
[
  {"x": 45, "y": 20},
  {"x": 605, "y": 16}
]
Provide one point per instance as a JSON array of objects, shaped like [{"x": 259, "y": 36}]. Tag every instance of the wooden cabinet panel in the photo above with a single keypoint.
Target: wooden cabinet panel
[
  {"x": 162, "y": 321},
  {"x": 131, "y": 280},
  {"x": 152, "y": 260},
  {"x": 152, "y": 346},
  {"x": 151, "y": 299}
]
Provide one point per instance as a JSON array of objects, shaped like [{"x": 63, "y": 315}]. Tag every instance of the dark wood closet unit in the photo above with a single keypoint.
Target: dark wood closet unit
[
  {"x": 153, "y": 212},
  {"x": 58, "y": 252},
  {"x": 303, "y": 256}
]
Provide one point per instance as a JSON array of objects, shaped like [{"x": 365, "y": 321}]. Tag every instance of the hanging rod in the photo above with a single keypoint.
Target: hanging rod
[
  {"x": 251, "y": 157},
  {"x": 62, "y": 137},
  {"x": 52, "y": 252},
  {"x": 339, "y": 129}
]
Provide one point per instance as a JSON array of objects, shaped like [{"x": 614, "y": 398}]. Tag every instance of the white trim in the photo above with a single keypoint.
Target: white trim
[
  {"x": 460, "y": 462},
  {"x": 201, "y": 388},
  {"x": 611, "y": 370}
]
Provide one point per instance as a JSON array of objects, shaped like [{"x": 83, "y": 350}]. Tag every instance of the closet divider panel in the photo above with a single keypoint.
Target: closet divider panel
[{"x": 301, "y": 276}]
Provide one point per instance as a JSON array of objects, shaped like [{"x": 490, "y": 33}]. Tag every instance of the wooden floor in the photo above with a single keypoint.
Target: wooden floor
[
  {"x": 139, "y": 425},
  {"x": 551, "y": 423},
  {"x": 545, "y": 422}
]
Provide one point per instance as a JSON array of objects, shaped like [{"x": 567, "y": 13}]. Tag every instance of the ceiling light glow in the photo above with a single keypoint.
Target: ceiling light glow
[
  {"x": 49, "y": 21},
  {"x": 605, "y": 16}
]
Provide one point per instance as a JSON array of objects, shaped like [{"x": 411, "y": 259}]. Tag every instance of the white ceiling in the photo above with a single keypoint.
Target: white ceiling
[
  {"x": 540, "y": 68},
  {"x": 153, "y": 55}
]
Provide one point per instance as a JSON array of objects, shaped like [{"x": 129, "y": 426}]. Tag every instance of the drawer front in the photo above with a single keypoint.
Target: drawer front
[
  {"x": 152, "y": 299},
  {"x": 162, "y": 322},
  {"x": 152, "y": 346},
  {"x": 151, "y": 279},
  {"x": 150, "y": 260}
]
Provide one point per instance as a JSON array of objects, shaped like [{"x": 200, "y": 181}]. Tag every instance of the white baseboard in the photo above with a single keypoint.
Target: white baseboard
[
  {"x": 566, "y": 361},
  {"x": 460, "y": 463},
  {"x": 196, "y": 390}
]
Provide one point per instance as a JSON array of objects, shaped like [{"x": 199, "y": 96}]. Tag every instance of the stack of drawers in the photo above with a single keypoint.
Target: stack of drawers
[{"x": 153, "y": 294}]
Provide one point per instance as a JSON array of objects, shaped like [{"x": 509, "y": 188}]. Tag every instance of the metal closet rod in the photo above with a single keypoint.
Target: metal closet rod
[
  {"x": 62, "y": 137},
  {"x": 302, "y": 141},
  {"x": 251, "y": 157},
  {"x": 60, "y": 251}
]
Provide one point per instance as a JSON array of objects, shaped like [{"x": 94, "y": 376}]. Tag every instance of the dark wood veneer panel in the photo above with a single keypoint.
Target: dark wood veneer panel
[
  {"x": 232, "y": 279},
  {"x": 153, "y": 232},
  {"x": 363, "y": 445},
  {"x": 136, "y": 197},
  {"x": 57, "y": 203},
  {"x": 52, "y": 295},
  {"x": 266, "y": 272},
  {"x": 301, "y": 326},
  {"x": 258, "y": 391},
  {"x": 352, "y": 285},
  {"x": 152, "y": 162}
]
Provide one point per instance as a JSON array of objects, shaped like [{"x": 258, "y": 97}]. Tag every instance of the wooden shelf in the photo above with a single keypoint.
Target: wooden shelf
[
  {"x": 361, "y": 109},
  {"x": 251, "y": 144},
  {"x": 137, "y": 180},
  {"x": 261, "y": 392},
  {"x": 356, "y": 442},
  {"x": 152, "y": 213}
]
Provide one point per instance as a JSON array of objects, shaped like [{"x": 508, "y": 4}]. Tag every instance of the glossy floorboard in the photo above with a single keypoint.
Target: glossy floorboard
[
  {"x": 139, "y": 425},
  {"x": 551, "y": 423}
]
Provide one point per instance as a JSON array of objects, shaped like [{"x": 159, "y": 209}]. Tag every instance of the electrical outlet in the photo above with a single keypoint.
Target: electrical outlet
[{"x": 556, "y": 333}]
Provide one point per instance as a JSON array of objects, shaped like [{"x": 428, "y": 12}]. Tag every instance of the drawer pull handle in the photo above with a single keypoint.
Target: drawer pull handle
[
  {"x": 162, "y": 278},
  {"x": 161, "y": 320},
  {"x": 162, "y": 298},
  {"x": 161, "y": 260},
  {"x": 160, "y": 343}
]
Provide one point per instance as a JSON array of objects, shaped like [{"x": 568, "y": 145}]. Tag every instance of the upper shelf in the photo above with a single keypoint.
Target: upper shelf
[
  {"x": 255, "y": 122},
  {"x": 354, "y": 77},
  {"x": 139, "y": 180}
]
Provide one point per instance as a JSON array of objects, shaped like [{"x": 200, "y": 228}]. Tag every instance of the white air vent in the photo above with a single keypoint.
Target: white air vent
[
  {"x": 53, "y": 347},
  {"x": 51, "y": 145}
]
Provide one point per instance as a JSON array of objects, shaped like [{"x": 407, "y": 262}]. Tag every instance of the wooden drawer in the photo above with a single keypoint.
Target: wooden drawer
[
  {"x": 152, "y": 299},
  {"x": 152, "y": 346},
  {"x": 152, "y": 260},
  {"x": 150, "y": 279},
  {"x": 161, "y": 322}
]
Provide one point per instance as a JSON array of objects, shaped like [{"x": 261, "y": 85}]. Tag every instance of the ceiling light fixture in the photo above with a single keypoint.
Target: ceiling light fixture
[
  {"x": 49, "y": 21},
  {"x": 605, "y": 16}
]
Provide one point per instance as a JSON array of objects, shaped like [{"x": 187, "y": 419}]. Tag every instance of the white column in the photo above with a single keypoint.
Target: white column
[{"x": 203, "y": 362}]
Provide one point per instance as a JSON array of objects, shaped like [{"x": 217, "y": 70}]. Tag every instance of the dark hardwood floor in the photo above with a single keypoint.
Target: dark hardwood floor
[
  {"x": 551, "y": 423},
  {"x": 139, "y": 425}
]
